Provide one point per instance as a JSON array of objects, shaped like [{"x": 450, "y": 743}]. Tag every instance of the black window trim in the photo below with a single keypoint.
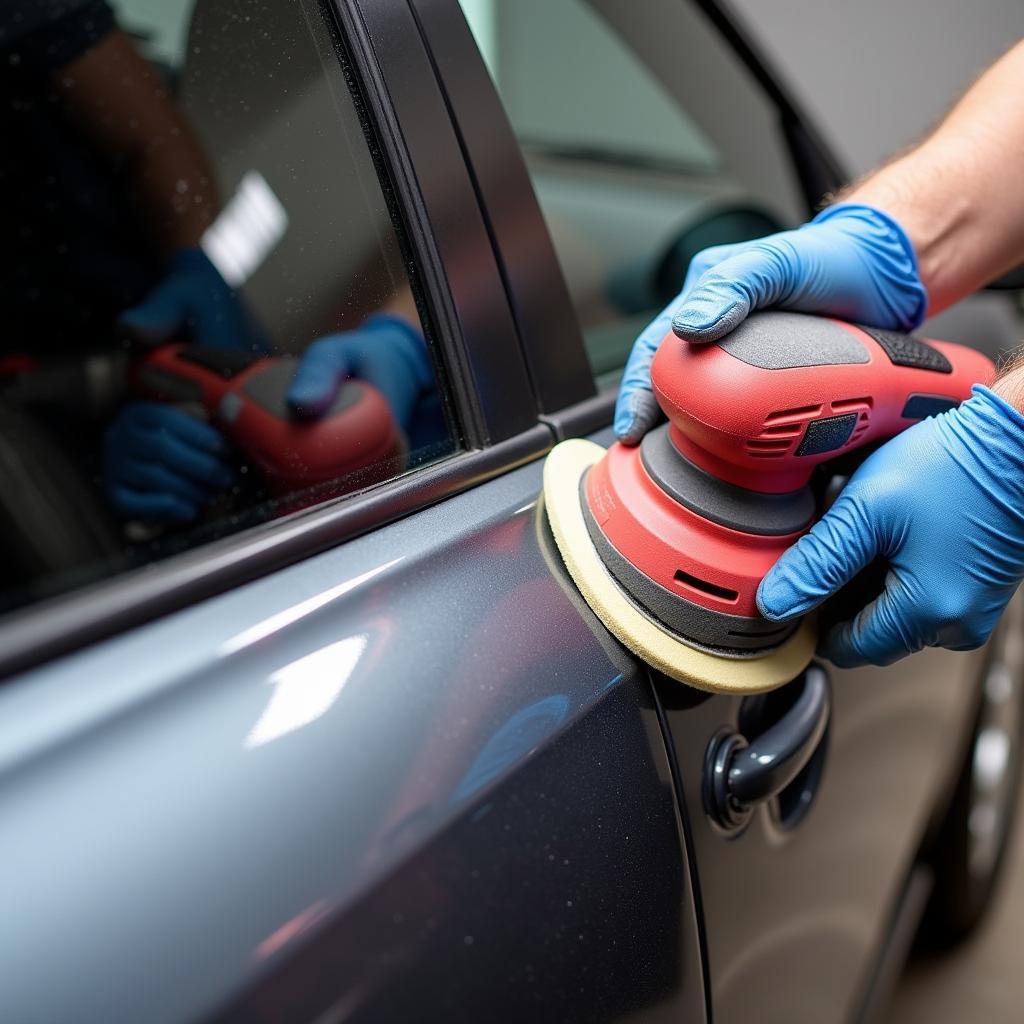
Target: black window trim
[
  {"x": 546, "y": 321},
  {"x": 460, "y": 274},
  {"x": 472, "y": 323},
  {"x": 548, "y": 328}
]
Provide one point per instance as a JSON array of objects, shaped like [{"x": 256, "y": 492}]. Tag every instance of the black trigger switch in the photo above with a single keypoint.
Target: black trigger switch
[{"x": 906, "y": 350}]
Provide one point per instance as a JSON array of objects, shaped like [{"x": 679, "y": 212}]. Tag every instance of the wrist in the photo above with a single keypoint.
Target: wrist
[
  {"x": 923, "y": 192},
  {"x": 986, "y": 434},
  {"x": 412, "y": 343},
  {"x": 886, "y": 252},
  {"x": 1009, "y": 385}
]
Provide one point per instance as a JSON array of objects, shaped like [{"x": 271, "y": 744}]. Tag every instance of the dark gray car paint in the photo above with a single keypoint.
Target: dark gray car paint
[
  {"x": 309, "y": 790},
  {"x": 795, "y": 918}
]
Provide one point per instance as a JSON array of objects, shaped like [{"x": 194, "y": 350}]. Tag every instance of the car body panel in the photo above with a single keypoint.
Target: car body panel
[
  {"x": 794, "y": 919},
  {"x": 187, "y": 806}
]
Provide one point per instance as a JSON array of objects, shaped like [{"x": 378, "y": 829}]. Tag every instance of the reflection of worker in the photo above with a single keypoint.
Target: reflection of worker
[
  {"x": 93, "y": 140},
  {"x": 943, "y": 502},
  {"x": 164, "y": 465}
]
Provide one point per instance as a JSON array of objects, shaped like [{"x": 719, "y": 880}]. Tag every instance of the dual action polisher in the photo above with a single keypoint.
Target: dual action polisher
[
  {"x": 245, "y": 395},
  {"x": 669, "y": 540}
]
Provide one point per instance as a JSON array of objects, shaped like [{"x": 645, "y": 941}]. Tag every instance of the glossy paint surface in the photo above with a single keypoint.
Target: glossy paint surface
[
  {"x": 795, "y": 917},
  {"x": 405, "y": 776}
]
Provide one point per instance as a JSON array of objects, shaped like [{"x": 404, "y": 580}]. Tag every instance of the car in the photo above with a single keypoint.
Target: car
[{"x": 360, "y": 751}]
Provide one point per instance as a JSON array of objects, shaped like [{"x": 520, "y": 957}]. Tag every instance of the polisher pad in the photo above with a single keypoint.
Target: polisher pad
[{"x": 564, "y": 470}]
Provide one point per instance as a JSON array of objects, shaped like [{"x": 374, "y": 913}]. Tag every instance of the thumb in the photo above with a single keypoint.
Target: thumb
[
  {"x": 321, "y": 371},
  {"x": 160, "y": 315},
  {"x": 636, "y": 410},
  {"x": 838, "y": 546},
  {"x": 877, "y": 635},
  {"x": 705, "y": 260},
  {"x": 759, "y": 275}
]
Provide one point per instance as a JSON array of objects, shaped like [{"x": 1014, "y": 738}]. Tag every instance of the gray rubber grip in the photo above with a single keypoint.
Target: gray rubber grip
[{"x": 784, "y": 341}]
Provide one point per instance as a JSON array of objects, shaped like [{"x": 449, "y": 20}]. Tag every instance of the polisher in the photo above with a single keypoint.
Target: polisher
[
  {"x": 245, "y": 395},
  {"x": 668, "y": 541}
]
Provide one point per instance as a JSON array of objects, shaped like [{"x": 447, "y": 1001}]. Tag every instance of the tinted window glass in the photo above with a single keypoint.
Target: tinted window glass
[
  {"x": 207, "y": 316},
  {"x": 646, "y": 141}
]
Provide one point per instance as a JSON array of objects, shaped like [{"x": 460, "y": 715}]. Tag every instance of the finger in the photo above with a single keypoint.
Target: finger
[
  {"x": 156, "y": 508},
  {"x": 153, "y": 478},
  {"x": 191, "y": 430},
  {"x": 161, "y": 315},
  {"x": 319, "y": 375},
  {"x": 757, "y": 276},
  {"x": 183, "y": 459},
  {"x": 636, "y": 410},
  {"x": 838, "y": 546},
  {"x": 705, "y": 260},
  {"x": 878, "y": 635}
]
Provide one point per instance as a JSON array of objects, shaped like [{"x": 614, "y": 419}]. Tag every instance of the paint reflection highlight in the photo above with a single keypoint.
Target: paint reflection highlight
[{"x": 305, "y": 689}]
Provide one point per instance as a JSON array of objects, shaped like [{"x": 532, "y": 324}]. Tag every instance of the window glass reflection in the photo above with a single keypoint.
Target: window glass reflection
[{"x": 208, "y": 320}]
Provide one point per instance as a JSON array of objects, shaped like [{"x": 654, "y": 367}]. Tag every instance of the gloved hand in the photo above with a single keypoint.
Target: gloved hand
[
  {"x": 852, "y": 261},
  {"x": 162, "y": 465},
  {"x": 194, "y": 300},
  {"x": 943, "y": 503},
  {"x": 385, "y": 351}
]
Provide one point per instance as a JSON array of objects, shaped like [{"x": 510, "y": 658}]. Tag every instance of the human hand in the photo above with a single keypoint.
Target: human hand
[
  {"x": 162, "y": 465},
  {"x": 194, "y": 300},
  {"x": 852, "y": 262},
  {"x": 943, "y": 503},
  {"x": 386, "y": 351}
]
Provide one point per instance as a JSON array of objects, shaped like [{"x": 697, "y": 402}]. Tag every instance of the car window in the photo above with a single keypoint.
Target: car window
[
  {"x": 208, "y": 319},
  {"x": 646, "y": 141}
]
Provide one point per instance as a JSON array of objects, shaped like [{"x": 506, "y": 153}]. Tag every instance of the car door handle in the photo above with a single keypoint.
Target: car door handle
[{"x": 740, "y": 773}]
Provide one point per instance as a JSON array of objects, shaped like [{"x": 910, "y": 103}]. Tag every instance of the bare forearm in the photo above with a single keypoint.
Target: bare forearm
[
  {"x": 121, "y": 103},
  {"x": 958, "y": 195}
]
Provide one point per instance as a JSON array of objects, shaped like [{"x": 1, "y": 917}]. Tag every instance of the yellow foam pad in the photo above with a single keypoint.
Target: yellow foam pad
[{"x": 563, "y": 471}]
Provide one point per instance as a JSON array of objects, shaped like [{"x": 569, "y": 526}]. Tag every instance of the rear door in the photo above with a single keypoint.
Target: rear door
[
  {"x": 646, "y": 138},
  {"x": 350, "y": 752}
]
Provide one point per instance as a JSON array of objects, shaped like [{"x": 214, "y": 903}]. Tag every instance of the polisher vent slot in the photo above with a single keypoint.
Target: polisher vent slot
[
  {"x": 760, "y": 445},
  {"x": 853, "y": 405},
  {"x": 706, "y": 587},
  {"x": 804, "y": 412}
]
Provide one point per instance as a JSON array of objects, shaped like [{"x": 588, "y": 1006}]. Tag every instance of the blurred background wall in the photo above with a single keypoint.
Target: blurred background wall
[{"x": 875, "y": 74}]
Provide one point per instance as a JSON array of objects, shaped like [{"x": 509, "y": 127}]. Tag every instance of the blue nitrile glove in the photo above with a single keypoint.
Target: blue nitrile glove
[
  {"x": 193, "y": 301},
  {"x": 162, "y": 465},
  {"x": 943, "y": 503},
  {"x": 852, "y": 261},
  {"x": 386, "y": 351}
]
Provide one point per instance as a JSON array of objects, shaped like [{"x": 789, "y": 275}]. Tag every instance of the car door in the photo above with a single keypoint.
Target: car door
[
  {"x": 349, "y": 752},
  {"x": 648, "y": 132}
]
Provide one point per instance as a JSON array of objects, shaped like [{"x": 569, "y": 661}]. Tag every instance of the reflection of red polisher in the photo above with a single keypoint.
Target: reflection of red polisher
[
  {"x": 245, "y": 394},
  {"x": 669, "y": 541}
]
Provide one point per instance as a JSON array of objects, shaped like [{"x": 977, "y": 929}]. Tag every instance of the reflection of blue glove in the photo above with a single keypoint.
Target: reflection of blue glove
[
  {"x": 944, "y": 504},
  {"x": 851, "y": 261},
  {"x": 194, "y": 300},
  {"x": 386, "y": 351},
  {"x": 161, "y": 464}
]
